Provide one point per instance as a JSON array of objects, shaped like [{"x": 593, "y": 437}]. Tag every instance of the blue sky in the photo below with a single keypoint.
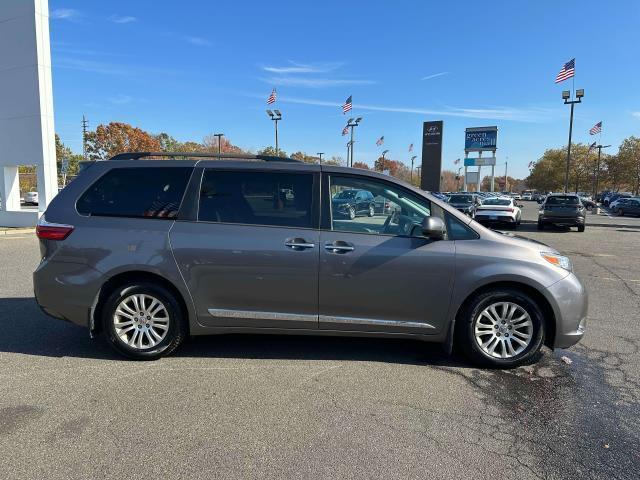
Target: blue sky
[{"x": 195, "y": 67}]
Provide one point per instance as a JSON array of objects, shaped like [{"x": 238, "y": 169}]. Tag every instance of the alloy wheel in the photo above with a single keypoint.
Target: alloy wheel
[
  {"x": 503, "y": 330},
  {"x": 141, "y": 321}
]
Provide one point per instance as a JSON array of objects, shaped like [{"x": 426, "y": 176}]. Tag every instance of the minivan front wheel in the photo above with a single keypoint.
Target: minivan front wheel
[
  {"x": 143, "y": 321},
  {"x": 501, "y": 328}
]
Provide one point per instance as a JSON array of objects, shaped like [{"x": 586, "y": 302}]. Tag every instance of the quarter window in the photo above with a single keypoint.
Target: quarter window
[
  {"x": 145, "y": 192},
  {"x": 363, "y": 205},
  {"x": 257, "y": 198}
]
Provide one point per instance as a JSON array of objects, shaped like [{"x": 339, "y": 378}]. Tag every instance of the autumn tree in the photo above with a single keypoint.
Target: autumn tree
[
  {"x": 361, "y": 165},
  {"x": 629, "y": 159},
  {"x": 210, "y": 144},
  {"x": 271, "y": 152},
  {"x": 116, "y": 137},
  {"x": 547, "y": 175},
  {"x": 303, "y": 157}
]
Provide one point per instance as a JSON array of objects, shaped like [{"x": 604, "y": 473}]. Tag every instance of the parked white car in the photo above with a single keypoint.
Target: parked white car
[
  {"x": 31, "y": 198},
  {"x": 502, "y": 210}
]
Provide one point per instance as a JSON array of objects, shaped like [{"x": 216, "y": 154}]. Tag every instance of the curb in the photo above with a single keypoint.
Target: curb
[{"x": 17, "y": 231}]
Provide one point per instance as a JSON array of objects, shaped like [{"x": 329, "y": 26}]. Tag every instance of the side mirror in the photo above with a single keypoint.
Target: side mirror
[{"x": 433, "y": 228}]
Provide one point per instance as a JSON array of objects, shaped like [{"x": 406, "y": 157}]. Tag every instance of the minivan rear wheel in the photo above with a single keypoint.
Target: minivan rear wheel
[
  {"x": 143, "y": 321},
  {"x": 501, "y": 328}
]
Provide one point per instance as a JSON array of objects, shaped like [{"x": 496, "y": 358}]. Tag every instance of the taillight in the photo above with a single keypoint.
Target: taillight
[
  {"x": 510, "y": 210},
  {"x": 52, "y": 231}
]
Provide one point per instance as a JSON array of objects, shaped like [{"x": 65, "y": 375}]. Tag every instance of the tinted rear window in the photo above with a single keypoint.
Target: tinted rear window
[
  {"x": 257, "y": 198},
  {"x": 563, "y": 200},
  {"x": 147, "y": 192}
]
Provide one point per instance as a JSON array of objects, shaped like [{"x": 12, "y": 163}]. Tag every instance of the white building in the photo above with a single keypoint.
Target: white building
[{"x": 26, "y": 107}]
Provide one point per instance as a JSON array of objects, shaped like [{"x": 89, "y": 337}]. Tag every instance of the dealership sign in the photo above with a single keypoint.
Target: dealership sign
[
  {"x": 480, "y": 139},
  {"x": 479, "y": 162}
]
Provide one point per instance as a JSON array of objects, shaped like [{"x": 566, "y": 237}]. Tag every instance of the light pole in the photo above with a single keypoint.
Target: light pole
[
  {"x": 597, "y": 179},
  {"x": 566, "y": 96},
  {"x": 412, "y": 160},
  {"x": 506, "y": 182},
  {"x": 458, "y": 180},
  {"x": 349, "y": 147},
  {"x": 219, "y": 137},
  {"x": 352, "y": 124},
  {"x": 382, "y": 164},
  {"x": 276, "y": 116},
  {"x": 320, "y": 156}
]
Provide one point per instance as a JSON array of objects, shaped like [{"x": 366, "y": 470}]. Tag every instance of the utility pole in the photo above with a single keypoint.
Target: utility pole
[
  {"x": 506, "y": 182},
  {"x": 566, "y": 96},
  {"x": 412, "y": 160},
  {"x": 85, "y": 124},
  {"x": 597, "y": 179},
  {"x": 219, "y": 137},
  {"x": 276, "y": 116},
  {"x": 351, "y": 123}
]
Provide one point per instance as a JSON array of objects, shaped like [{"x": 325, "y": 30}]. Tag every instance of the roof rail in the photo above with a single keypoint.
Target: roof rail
[{"x": 222, "y": 156}]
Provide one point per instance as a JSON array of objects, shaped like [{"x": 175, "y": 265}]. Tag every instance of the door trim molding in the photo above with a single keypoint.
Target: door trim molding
[
  {"x": 374, "y": 322},
  {"x": 254, "y": 315},
  {"x": 305, "y": 317}
]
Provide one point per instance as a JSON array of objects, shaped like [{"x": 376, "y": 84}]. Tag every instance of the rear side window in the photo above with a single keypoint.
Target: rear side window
[
  {"x": 257, "y": 198},
  {"x": 147, "y": 192}
]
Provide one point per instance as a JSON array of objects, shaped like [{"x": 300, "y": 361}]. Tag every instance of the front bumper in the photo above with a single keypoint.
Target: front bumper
[{"x": 571, "y": 304}]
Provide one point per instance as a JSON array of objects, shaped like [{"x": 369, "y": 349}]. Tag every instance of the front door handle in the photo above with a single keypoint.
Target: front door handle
[
  {"x": 298, "y": 244},
  {"x": 339, "y": 247}
]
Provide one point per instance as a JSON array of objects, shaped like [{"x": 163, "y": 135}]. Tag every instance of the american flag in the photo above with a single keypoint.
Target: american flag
[
  {"x": 591, "y": 147},
  {"x": 456, "y": 162},
  {"x": 597, "y": 128},
  {"x": 568, "y": 71},
  {"x": 345, "y": 130},
  {"x": 380, "y": 141},
  {"x": 347, "y": 105},
  {"x": 272, "y": 97},
  {"x": 531, "y": 164},
  {"x": 411, "y": 147}
]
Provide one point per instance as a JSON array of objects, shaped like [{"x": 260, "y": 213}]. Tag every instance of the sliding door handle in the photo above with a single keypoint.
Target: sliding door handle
[
  {"x": 298, "y": 244},
  {"x": 339, "y": 247}
]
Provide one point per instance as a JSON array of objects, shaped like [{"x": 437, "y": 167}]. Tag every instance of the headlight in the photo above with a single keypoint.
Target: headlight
[{"x": 557, "y": 260}]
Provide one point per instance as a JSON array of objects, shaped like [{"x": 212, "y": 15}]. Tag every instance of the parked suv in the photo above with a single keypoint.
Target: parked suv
[
  {"x": 562, "y": 209},
  {"x": 147, "y": 252},
  {"x": 352, "y": 202}
]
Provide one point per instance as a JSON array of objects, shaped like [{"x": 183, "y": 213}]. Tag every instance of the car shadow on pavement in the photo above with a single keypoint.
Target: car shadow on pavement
[{"x": 25, "y": 329}]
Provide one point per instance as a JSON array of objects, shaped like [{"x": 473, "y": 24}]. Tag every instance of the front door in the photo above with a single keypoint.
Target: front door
[
  {"x": 251, "y": 258},
  {"x": 378, "y": 273}
]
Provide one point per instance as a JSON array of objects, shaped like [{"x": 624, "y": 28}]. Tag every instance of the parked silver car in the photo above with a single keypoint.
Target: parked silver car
[{"x": 147, "y": 252}]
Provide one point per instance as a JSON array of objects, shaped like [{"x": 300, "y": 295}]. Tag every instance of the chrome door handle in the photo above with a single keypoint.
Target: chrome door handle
[
  {"x": 341, "y": 247},
  {"x": 298, "y": 244}
]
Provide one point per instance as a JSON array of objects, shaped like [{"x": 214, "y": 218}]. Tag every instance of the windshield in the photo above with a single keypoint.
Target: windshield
[
  {"x": 497, "y": 201},
  {"x": 563, "y": 200},
  {"x": 346, "y": 194},
  {"x": 461, "y": 199}
]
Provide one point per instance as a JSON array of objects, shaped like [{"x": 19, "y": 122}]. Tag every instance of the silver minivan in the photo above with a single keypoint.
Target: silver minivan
[{"x": 149, "y": 248}]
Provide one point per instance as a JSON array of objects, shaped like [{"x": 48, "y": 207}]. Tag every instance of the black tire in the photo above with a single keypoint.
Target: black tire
[
  {"x": 620, "y": 212},
  {"x": 467, "y": 319},
  {"x": 176, "y": 331},
  {"x": 540, "y": 225},
  {"x": 352, "y": 213},
  {"x": 581, "y": 228},
  {"x": 372, "y": 210}
]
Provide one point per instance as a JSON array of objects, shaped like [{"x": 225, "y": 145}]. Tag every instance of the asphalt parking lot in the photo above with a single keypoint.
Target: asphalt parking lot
[{"x": 305, "y": 407}]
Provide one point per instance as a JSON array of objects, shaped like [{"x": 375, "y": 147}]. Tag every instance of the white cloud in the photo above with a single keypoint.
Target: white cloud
[
  {"x": 293, "y": 81},
  {"x": 529, "y": 115},
  {"x": 435, "y": 75},
  {"x": 199, "y": 41},
  {"x": 122, "y": 19},
  {"x": 636, "y": 114},
  {"x": 64, "y": 14},
  {"x": 294, "y": 68},
  {"x": 120, "y": 99}
]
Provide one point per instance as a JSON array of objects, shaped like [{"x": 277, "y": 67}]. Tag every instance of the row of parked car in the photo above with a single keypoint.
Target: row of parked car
[
  {"x": 621, "y": 203},
  {"x": 498, "y": 208}
]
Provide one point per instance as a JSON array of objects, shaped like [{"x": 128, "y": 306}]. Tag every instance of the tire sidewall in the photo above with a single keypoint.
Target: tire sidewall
[
  {"x": 170, "y": 303},
  {"x": 483, "y": 301}
]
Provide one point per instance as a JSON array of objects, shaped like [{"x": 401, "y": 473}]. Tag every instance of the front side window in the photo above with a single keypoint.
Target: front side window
[
  {"x": 363, "y": 205},
  {"x": 144, "y": 192},
  {"x": 257, "y": 198}
]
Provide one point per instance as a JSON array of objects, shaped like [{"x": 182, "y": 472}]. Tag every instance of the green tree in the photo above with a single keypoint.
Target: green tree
[
  {"x": 547, "y": 175},
  {"x": 271, "y": 151},
  {"x": 64, "y": 152},
  {"x": 629, "y": 158}
]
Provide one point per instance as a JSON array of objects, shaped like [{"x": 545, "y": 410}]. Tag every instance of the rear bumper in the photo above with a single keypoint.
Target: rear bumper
[
  {"x": 571, "y": 305},
  {"x": 561, "y": 220},
  {"x": 494, "y": 219}
]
